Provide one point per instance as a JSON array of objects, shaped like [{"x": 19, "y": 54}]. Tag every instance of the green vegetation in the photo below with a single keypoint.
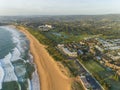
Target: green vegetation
[
  {"x": 51, "y": 44},
  {"x": 63, "y": 37},
  {"x": 73, "y": 29},
  {"x": 77, "y": 86},
  {"x": 57, "y": 55},
  {"x": 72, "y": 67},
  {"x": 65, "y": 32},
  {"x": 93, "y": 66},
  {"x": 107, "y": 78},
  {"x": 51, "y": 47}
]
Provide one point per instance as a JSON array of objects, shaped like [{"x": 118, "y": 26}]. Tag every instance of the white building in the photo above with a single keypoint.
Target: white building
[{"x": 66, "y": 51}]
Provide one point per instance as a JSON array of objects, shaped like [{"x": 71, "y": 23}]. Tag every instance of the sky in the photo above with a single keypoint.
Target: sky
[{"x": 59, "y": 7}]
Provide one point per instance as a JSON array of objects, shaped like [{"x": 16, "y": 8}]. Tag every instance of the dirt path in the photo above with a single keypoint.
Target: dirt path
[{"x": 51, "y": 78}]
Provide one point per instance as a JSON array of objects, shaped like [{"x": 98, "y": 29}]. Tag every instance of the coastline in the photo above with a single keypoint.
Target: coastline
[
  {"x": 51, "y": 78},
  {"x": 13, "y": 65}
]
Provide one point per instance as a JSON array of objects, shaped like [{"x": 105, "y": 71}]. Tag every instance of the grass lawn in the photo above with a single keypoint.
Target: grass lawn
[
  {"x": 93, "y": 66},
  {"x": 62, "y": 37}
]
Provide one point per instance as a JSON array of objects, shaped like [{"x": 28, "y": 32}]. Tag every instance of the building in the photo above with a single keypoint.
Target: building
[
  {"x": 66, "y": 51},
  {"x": 45, "y": 27}
]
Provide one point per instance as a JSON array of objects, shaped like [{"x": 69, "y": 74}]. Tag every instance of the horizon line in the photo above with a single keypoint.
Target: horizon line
[{"x": 59, "y": 15}]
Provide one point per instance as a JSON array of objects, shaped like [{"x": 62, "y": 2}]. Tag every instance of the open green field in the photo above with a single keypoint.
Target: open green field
[
  {"x": 93, "y": 66},
  {"x": 62, "y": 37}
]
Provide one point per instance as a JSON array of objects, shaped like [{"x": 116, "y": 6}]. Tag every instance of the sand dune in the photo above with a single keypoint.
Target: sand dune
[{"x": 51, "y": 78}]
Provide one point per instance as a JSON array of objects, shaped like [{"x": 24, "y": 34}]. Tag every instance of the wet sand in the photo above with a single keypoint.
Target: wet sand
[{"x": 51, "y": 77}]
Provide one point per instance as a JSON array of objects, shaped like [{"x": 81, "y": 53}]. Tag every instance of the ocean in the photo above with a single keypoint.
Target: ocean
[{"x": 17, "y": 70}]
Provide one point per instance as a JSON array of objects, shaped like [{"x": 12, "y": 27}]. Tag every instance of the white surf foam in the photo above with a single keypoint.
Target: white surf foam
[
  {"x": 8, "y": 69},
  {"x": 15, "y": 54},
  {"x": 1, "y": 76}
]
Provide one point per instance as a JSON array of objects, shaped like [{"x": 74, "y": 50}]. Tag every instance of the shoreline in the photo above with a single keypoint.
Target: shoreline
[
  {"x": 51, "y": 77},
  {"x": 11, "y": 74}
]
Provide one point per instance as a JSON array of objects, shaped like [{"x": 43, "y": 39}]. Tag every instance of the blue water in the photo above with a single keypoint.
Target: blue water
[
  {"x": 6, "y": 43},
  {"x": 16, "y": 64}
]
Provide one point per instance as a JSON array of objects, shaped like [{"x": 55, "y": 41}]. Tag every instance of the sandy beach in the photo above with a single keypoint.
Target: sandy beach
[{"x": 51, "y": 77}]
